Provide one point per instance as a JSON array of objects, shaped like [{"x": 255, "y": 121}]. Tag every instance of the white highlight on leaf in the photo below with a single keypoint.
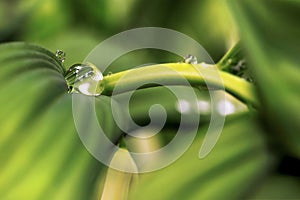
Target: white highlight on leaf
[
  {"x": 225, "y": 107},
  {"x": 183, "y": 106},
  {"x": 203, "y": 106}
]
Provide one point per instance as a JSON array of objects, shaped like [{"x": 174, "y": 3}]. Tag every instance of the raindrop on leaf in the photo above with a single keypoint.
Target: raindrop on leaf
[
  {"x": 190, "y": 59},
  {"x": 109, "y": 73},
  {"x": 60, "y": 55},
  {"x": 85, "y": 79}
]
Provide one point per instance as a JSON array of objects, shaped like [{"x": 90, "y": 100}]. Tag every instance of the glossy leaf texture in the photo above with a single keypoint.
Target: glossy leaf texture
[
  {"x": 270, "y": 35},
  {"x": 41, "y": 154},
  {"x": 234, "y": 168}
]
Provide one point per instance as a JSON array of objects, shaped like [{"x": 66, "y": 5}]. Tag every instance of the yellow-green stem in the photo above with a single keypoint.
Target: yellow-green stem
[{"x": 172, "y": 73}]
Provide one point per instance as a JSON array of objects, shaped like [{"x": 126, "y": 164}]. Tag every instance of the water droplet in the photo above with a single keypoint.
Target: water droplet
[
  {"x": 229, "y": 61},
  {"x": 190, "y": 59},
  {"x": 60, "y": 55},
  {"x": 84, "y": 78},
  {"x": 109, "y": 73}
]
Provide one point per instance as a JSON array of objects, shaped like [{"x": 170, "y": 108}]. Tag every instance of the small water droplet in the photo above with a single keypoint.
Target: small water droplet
[
  {"x": 229, "y": 61},
  {"x": 84, "y": 78},
  {"x": 190, "y": 59},
  {"x": 60, "y": 55},
  {"x": 109, "y": 73}
]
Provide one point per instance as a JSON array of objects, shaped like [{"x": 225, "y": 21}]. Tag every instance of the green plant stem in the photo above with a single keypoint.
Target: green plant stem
[
  {"x": 173, "y": 73},
  {"x": 231, "y": 58}
]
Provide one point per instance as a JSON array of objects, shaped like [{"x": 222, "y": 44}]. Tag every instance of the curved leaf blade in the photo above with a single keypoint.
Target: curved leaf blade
[
  {"x": 41, "y": 154},
  {"x": 238, "y": 161},
  {"x": 270, "y": 35}
]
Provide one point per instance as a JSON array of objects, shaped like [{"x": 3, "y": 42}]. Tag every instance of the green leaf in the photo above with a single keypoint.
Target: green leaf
[
  {"x": 238, "y": 161},
  {"x": 234, "y": 62},
  {"x": 279, "y": 187},
  {"x": 270, "y": 34},
  {"x": 231, "y": 58},
  {"x": 140, "y": 106},
  {"x": 41, "y": 154}
]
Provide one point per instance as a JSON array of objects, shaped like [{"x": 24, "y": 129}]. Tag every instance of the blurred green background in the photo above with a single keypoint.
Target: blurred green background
[
  {"x": 41, "y": 156},
  {"x": 78, "y": 26}
]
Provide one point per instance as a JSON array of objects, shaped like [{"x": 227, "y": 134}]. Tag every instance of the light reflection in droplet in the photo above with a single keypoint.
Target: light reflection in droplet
[{"x": 84, "y": 88}]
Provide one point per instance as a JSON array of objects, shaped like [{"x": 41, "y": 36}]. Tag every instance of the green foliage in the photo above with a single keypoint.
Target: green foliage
[
  {"x": 272, "y": 46},
  {"x": 236, "y": 164},
  {"x": 41, "y": 154},
  {"x": 279, "y": 187}
]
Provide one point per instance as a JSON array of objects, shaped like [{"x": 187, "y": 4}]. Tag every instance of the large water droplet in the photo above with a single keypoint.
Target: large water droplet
[
  {"x": 60, "y": 55},
  {"x": 190, "y": 59},
  {"x": 84, "y": 78}
]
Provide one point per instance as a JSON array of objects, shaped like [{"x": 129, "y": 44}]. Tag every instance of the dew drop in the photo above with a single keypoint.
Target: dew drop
[
  {"x": 109, "y": 73},
  {"x": 229, "y": 61},
  {"x": 84, "y": 78},
  {"x": 60, "y": 55},
  {"x": 190, "y": 59}
]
